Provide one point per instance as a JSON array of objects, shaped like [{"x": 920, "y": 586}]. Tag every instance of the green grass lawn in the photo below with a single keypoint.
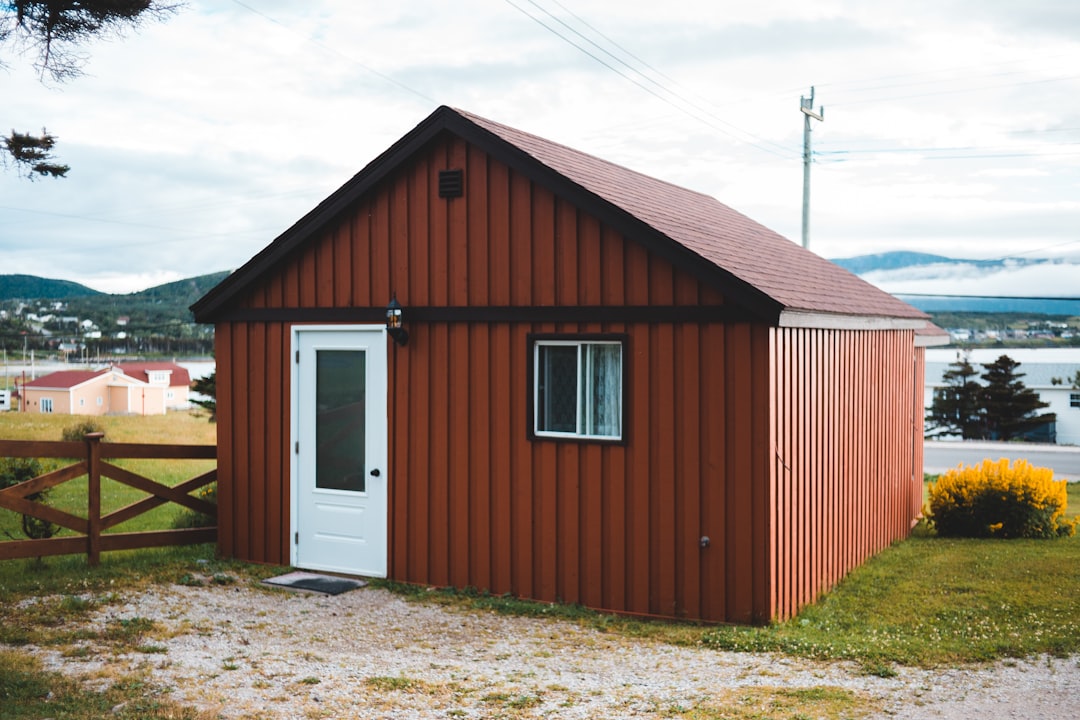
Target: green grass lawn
[
  {"x": 925, "y": 601},
  {"x": 174, "y": 428},
  {"x": 931, "y": 601}
]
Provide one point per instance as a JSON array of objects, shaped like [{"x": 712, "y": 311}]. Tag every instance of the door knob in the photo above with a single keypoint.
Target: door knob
[{"x": 375, "y": 472}]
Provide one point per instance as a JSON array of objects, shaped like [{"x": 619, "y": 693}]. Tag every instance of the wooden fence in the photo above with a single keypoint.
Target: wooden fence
[{"x": 91, "y": 461}]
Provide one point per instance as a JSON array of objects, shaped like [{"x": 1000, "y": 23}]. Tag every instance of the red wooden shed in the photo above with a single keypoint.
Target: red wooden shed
[{"x": 614, "y": 391}]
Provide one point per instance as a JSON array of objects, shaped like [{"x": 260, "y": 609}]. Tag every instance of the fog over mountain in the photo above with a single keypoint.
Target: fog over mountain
[{"x": 910, "y": 275}]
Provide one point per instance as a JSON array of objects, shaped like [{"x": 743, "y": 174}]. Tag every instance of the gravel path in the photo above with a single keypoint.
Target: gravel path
[{"x": 244, "y": 652}]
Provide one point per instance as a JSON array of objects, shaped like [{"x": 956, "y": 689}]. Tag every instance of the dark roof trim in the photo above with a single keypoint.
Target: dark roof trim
[
  {"x": 617, "y": 218},
  {"x": 500, "y": 314},
  {"x": 209, "y": 306},
  {"x": 213, "y": 306}
]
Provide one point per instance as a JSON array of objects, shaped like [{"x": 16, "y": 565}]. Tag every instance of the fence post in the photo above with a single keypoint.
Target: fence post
[{"x": 93, "y": 460}]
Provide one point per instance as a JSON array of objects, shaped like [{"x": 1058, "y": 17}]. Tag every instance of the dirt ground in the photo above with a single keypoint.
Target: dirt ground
[{"x": 247, "y": 652}]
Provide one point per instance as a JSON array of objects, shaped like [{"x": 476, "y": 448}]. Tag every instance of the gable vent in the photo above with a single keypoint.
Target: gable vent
[{"x": 451, "y": 183}]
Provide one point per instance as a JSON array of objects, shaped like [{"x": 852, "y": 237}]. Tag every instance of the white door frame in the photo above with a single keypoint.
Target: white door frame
[{"x": 376, "y": 429}]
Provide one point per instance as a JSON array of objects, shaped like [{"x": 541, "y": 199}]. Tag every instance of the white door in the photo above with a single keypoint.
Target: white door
[{"x": 340, "y": 449}]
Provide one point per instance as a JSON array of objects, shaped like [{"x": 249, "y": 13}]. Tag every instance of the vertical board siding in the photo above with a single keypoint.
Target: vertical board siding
[
  {"x": 253, "y": 438},
  {"x": 778, "y": 446},
  {"x": 847, "y": 463},
  {"x": 506, "y": 242},
  {"x": 612, "y": 526}
]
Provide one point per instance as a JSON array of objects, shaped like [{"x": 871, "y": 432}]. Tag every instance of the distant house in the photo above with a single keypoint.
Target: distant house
[
  {"x": 1047, "y": 371},
  {"x": 92, "y": 392},
  {"x": 175, "y": 379}
]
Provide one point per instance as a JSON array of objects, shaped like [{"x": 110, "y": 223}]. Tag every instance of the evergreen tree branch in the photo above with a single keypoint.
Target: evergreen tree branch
[
  {"x": 54, "y": 32},
  {"x": 33, "y": 153}
]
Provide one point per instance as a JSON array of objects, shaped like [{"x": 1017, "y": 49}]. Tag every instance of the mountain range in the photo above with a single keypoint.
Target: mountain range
[
  {"x": 933, "y": 283},
  {"x": 32, "y": 287},
  {"x": 903, "y": 259},
  {"x": 157, "y": 306}
]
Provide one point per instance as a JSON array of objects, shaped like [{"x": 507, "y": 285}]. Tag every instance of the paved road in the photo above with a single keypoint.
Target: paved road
[{"x": 1063, "y": 459}]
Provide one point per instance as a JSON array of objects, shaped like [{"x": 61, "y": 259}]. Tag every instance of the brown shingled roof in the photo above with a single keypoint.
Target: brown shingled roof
[
  {"x": 141, "y": 371},
  {"x": 64, "y": 379},
  {"x": 796, "y": 278},
  {"x": 749, "y": 263}
]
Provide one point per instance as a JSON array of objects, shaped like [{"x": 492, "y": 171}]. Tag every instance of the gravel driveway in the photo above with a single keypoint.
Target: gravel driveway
[{"x": 246, "y": 652}]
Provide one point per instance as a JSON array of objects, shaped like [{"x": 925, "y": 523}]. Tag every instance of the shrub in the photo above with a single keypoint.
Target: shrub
[
  {"x": 14, "y": 470},
  {"x": 996, "y": 499},
  {"x": 78, "y": 431},
  {"x": 192, "y": 519}
]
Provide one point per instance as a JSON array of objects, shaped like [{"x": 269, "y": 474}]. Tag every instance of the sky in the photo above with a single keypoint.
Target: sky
[{"x": 950, "y": 126}]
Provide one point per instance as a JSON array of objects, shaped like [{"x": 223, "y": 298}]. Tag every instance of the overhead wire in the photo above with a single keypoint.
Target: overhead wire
[
  {"x": 184, "y": 235},
  {"x": 654, "y": 70},
  {"x": 335, "y": 51},
  {"x": 661, "y": 92},
  {"x": 955, "y": 91},
  {"x": 1066, "y": 298},
  {"x": 667, "y": 89}
]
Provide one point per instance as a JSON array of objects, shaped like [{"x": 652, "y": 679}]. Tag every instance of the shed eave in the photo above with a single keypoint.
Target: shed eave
[
  {"x": 932, "y": 340},
  {"x": 839, "y": 321}
]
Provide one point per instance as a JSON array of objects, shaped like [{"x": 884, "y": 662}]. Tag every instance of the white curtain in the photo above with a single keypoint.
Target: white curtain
[{"x": 604, "y": 386}]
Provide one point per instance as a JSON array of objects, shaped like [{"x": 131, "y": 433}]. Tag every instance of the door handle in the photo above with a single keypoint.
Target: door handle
[{"x": 375, "y": 472}]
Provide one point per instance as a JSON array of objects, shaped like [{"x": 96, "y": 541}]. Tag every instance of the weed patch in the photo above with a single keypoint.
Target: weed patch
[
  {"x": 926, "y": 601},
  {"x": 28, "y": 692}
]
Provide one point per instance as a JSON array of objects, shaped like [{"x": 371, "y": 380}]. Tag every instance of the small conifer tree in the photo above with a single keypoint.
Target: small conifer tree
[
  {"x": 1010, "y": 407},
  {"x": 957, "y": 407}
]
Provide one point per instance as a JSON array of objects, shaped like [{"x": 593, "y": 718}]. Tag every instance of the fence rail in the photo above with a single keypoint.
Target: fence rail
[{"x": 91, "y": 456}]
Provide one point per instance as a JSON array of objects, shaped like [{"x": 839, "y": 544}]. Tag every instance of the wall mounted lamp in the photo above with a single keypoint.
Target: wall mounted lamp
[{"x": 395, "y": 327}]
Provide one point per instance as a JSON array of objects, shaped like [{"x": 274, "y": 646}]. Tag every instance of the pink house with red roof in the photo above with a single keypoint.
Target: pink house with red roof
[
  {"x": 174, "y": 378},
  {"x": 93, "y": 392}
]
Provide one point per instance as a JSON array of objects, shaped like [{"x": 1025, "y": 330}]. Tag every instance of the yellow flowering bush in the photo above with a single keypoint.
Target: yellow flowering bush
[
  {"x": 190, "y": 518},
  {"x": 996, "y": 499}
]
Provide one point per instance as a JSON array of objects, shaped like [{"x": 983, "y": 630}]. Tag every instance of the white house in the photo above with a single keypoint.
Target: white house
[{"x": 1047, "y": 371}]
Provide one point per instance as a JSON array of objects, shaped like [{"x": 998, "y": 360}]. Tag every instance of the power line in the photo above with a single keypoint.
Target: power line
[
  {"x": 668, "y": 93},
  {"x": 959, "y": 153},
  {"x": 340, "y": 54},
  {"x": 185, "y": 235},
  {"x": 652, "y": 68},
  {"x": 988, "y": 297},
  {"x": 955, "y": 91}
]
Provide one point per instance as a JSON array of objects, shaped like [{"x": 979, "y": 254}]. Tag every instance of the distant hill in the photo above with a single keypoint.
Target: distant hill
[
  {"x": 930, "y": 282},
  {"x": 188, "y": 290},
  {"x": 1035, "y": 306},
  {"x": 899, "y": 260},
  {"x": 31, "y": 287},
  {"x": 153, "y": 309}
]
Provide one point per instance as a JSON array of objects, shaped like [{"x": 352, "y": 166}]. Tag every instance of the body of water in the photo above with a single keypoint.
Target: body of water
[
  {"x": 196, "y": 368},
  {"x": 1020, "y": 355}
]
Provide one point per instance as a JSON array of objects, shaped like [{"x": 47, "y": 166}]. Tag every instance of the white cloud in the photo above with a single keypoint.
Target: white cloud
[
  {"x": 1042, "y": 280},
  {"x": 195, "y": 142}
]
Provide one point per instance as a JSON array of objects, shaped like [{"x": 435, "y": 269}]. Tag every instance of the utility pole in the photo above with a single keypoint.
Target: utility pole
[{"x": 806, "y": 105}]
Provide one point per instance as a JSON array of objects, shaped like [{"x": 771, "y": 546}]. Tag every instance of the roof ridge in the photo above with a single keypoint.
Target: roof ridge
[
  {"x": 754, "y": 266},
  {"x": 483, "y": 121}
]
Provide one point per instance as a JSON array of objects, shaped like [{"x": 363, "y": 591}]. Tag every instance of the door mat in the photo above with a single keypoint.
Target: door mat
[{"x": 325, "y": 584}]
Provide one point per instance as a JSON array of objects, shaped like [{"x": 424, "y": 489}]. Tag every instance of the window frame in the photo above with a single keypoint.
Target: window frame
[
  {"x": 534, "y": 342},
  {"x": 1074, "y": 399},
  {"x": 45, "y": 405}
]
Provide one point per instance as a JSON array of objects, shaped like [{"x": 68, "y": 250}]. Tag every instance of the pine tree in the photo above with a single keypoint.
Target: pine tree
[
  {"x": 1010, "y": 407},
  {"x": 54, "y": 31},
  {"x": 957, "y": 407},
  {"x": 207, "y": 386}
]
